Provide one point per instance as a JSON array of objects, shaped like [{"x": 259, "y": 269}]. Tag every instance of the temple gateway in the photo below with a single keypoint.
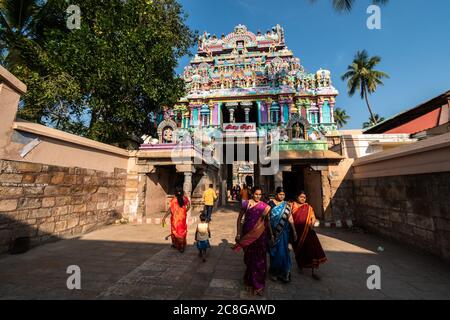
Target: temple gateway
[{"x": 241, "y": 89}]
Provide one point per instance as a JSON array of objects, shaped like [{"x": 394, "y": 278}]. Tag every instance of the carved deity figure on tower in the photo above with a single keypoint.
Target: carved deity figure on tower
[
  {"x": 168, "y": 135},
  {"x": 297, "y": 131}
]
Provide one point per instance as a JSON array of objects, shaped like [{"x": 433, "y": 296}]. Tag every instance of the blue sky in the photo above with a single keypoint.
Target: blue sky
[{"x": 414, "y": 43}]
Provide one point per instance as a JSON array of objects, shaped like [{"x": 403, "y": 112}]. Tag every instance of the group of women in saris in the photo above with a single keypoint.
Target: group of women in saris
[{"x": 269, "y": 228}]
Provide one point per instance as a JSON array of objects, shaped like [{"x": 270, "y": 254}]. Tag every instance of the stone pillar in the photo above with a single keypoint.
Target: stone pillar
[
  {"x": 281, "y": 112},
  {"x": 307, "y": 105},
  {"x": 187, "y": 185},
  {"x": 300, "y": 109},
  {"x": 320, "y": 105},
  {"x": 259, "y": 106},
  {"x": 211, "y": 114},
  {"x": 187, "y": 170},
  {"x": 247, "y": 115},
  {"x": 186, "y": 119},
  {"x": 247, "y": 106},
  {"x": 332, "y": 104},
  {"x": 309, "y": 112},
  {"x": 191, "y": 114},
  {"x": 326, "y": 196},
  {"x": 278, "y": 179},
  {"x": 219, "y": 114},
  {"x": 274, "y": 113},
  {"x": 141, "y": 192},
  {"x": 231, "y": 106},
  {"x": 232, "y": 115},
  {"x": 287, "y": 107},
  {"x": 215, "y": 114},
  {"x": 204, "y": 115}
]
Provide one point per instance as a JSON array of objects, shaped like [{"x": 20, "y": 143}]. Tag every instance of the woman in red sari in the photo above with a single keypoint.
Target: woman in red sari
[
  {"x": 178, "y": 208},
  {"x": 252, "y": 237},
  {"x": 308, "y": 250}
]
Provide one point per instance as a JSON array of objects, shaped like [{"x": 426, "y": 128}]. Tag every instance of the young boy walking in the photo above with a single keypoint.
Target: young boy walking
[{"x": 202, "y": 235}]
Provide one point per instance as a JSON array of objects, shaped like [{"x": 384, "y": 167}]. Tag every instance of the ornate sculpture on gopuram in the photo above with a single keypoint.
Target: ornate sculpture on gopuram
[
  {"x": 248, "y": 69},
  {"x": 251, "y": 79}
]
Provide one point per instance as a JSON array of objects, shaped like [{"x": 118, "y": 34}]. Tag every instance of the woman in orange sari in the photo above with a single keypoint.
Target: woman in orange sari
[
  {"x": 308, "y": 250},
  {"x": 178, "y": 208}
]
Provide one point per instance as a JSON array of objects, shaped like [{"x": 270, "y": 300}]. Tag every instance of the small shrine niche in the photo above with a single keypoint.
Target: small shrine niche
[
  {"x": 298, "y": 131},
  {"x": 166, "y": 131},
  {"x": 297, "y": 128}
]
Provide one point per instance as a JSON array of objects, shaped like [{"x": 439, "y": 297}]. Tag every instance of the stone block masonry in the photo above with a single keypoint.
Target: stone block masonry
[
  {"x": 47, "y": 202},
  {"x": 413, "y": 209}
]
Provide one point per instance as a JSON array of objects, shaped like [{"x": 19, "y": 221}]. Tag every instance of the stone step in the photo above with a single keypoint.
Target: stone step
[
  {"x": 158, "y": 220},
  {"x": 345, "y": 224}
]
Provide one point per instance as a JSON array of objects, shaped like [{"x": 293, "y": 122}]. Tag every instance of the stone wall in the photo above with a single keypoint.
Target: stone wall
[
  {"x": 413, "y": 209},
  {"x": 341, "y": 190},
  {"x": 343, "y": 201},
  {"x": 46, "y": 202}
]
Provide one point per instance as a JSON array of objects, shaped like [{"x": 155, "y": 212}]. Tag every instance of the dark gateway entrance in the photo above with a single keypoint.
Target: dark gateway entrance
[
  {"x": 293, "y": 182},
  {"x": 239, "y": 114}
]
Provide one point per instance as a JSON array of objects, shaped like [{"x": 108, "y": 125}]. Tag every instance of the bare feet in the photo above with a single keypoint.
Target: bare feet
[
  {"x": 285, "y": 279},
  {"x": 259, "y": 292},
  {"x": 315, "y": 276}
]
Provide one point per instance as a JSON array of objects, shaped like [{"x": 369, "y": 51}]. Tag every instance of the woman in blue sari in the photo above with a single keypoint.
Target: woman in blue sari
[{"x": 281, "y": 227}]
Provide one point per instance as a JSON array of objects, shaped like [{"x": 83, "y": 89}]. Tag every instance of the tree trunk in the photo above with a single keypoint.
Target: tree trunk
[
  {"x": 368, "y": 106},
  {"x": 93, "y": 119}
]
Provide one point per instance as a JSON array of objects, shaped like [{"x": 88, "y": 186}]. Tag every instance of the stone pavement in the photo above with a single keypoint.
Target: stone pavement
[{"x": 135, "y": 262}]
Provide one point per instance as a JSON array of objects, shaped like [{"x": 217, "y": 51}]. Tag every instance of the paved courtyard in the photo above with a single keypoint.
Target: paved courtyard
[{"x": 136, "y": 262}]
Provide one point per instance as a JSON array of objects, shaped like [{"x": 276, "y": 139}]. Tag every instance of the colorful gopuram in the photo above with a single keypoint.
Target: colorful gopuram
[
  {"x": 241, "y": 88},
  {"x": 254, "y": 78}
]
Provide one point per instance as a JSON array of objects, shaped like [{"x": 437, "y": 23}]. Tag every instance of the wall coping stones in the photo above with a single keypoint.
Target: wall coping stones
[
  {"x": 439, "y": 142},
  {"x": 67, "y": 137}
]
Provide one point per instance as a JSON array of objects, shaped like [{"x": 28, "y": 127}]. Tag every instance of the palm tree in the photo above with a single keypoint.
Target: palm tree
[
  {"x": 16, "y": 17},
  {"x": 347, "y": 5},
  {"x": 340, "y": 117},
  {"x": 362, "y": 77},
  {"x": 23, "y": 27},
  {"x": 373, "y": 121}
]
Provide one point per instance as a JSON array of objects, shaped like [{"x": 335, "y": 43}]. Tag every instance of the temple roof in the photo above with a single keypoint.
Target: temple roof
[
  {"x": 240, "y": 37},
  {"x": 244, "y": 64}
]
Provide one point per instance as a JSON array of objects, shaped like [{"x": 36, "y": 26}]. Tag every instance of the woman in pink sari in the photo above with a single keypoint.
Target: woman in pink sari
[
  {"x": 252, "y": 237},
  {"x": 178, "y": 208},
  {"x": 308, "y": 250}
]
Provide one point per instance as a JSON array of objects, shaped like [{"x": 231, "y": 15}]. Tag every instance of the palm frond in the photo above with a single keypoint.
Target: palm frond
[
  {"x": 343, "y": 5},
  {"x": 347, "y": 5}
]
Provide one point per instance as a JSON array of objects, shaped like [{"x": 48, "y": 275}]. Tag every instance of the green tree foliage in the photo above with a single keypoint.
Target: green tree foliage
[
  {"x": 362, "y": 77},
  {"x": 373, "y": 121},
  {"x": 103, "y": 79},
  {"x": 340, "y": 117}
]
